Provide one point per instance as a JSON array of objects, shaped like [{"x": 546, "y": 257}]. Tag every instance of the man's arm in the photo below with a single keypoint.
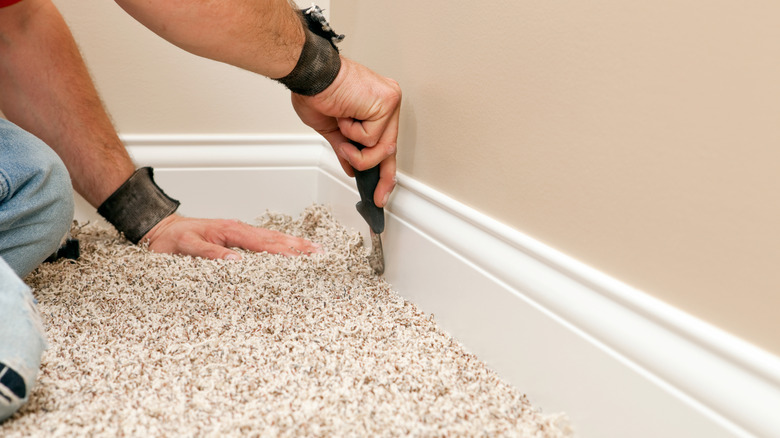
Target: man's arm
[
  {"x": 266, "y": 37},
  {"x": 45, "y": 89}
]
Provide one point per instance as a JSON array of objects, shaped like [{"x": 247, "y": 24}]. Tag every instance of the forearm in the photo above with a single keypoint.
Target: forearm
[
  {"x": 45, "y": 88},
  {"x": 264, "y": 37}
]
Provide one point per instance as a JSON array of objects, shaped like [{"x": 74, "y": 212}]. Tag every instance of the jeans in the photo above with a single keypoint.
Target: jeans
[{"x": 36, "y": 211}]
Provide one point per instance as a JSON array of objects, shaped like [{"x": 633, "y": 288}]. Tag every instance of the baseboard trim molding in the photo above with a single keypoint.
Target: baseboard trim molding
[
  {"x": 218, "y": 151},
  {"x": 620, "y": 362}
]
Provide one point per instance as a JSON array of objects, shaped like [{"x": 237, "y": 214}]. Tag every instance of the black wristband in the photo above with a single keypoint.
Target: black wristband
[
  {"x": 137, "y": 205},
  {"x": 319, "y": 63}
]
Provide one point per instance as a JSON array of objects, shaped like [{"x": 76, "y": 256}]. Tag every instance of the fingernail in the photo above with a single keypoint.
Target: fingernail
[
  {"x": 233, "y": 256},
  {"x": 385, "y": 199},
  {"x": 343, "y": 154}
]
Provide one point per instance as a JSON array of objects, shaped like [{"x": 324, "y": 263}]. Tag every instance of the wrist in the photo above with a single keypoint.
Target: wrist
[
  {"x": 159, "y": 228},
  {"x": 138, "y": 205},
  {"x": 319, "y": 62}
]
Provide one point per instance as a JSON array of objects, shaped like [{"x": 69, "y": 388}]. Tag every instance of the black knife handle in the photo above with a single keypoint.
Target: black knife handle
[{"x": 366, "y": 184}]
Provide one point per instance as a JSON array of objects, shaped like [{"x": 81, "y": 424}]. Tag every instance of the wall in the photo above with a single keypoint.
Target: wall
[
  {"x": 639, "y": 138},
  {"x": 150, "y": 86}
]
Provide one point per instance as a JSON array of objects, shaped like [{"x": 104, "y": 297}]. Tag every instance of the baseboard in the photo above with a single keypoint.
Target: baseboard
[
  {"x": 235, "y": 175},
  {"x": 619, "y": 362}
]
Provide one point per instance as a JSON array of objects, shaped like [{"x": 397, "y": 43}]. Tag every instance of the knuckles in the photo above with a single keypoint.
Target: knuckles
[{"x": 391, "y": 148}]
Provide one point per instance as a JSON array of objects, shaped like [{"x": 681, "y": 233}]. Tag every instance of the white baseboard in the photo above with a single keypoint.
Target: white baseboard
[{"x": 619, "y": 362}]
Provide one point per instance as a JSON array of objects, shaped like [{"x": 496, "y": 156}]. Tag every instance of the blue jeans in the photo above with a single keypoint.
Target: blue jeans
[{"x": 36, "y": 211}]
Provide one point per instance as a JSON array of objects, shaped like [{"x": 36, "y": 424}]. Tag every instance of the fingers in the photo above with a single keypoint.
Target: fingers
[
  {"x": 275, "y": 242},
  {"x": 377, "y": 129},
  {"x": 245, "y": 236},
  {"x": 379, "y": 136},
  {"x": 213, "y": 238},
  {"x": 351, "y": 157},
  {"x": 336, "y": 140},
  {"x": 387, "y": 169},
  {"x": 386, "y": 182},
  {"x": 368, "y": 157},
  {"x": 201, "y": 248}
]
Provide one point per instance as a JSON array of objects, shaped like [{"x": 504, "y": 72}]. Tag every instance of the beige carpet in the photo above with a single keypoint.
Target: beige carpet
[{"x": 145, "y": 344}]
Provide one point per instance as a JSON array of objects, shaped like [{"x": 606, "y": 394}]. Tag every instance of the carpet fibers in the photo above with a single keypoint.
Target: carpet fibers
[{"x": 146, "y": 344}]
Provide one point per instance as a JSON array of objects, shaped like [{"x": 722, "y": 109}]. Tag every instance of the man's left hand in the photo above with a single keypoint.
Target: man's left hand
[{"x": 213, "y": 238}]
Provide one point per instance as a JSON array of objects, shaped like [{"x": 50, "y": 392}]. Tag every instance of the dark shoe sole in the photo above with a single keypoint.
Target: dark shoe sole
[{"x": 11, "y": 381}]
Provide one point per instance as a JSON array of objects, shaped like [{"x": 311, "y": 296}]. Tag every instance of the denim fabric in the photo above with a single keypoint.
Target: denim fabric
[
  {"x": 36, "y": 199},
  {"x": 36, "y": 210},
  {"x": 22, "y": 342}
]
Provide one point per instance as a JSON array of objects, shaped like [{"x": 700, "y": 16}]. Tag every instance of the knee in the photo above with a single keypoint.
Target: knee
[
  {"x": 37, "y": 198},
  {"x": 31, "y": 170},
  {"x": 56, "y": 191},
  {"x": 57, "y": 194},
  {"x": 54, "y": 201}
]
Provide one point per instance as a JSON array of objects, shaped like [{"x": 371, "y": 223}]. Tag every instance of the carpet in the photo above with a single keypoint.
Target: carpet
[{"x": 147, "y": 344}]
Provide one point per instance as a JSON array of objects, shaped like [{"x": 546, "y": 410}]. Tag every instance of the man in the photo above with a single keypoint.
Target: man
[{"x": 58, "y": 134}]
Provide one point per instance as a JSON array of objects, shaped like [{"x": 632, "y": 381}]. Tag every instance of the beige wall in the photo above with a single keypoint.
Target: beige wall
[{"x": 639, "y": 137}]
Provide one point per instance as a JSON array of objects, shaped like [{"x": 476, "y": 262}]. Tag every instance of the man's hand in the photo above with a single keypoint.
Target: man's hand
[
  {"x": 212, "y": 238},
  {"x": 362, "y": 106}
]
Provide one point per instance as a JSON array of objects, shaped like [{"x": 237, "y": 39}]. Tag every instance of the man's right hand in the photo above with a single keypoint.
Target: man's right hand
[{"x": 363, "y": 106}]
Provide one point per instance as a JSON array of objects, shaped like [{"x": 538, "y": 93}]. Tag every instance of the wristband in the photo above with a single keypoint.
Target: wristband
[
  {"x": 137, "y": 205},
  {"x": 319, "y": 63}
]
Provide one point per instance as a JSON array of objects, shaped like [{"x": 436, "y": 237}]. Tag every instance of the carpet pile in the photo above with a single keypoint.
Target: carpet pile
[{"x": 147, "y": 344}]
